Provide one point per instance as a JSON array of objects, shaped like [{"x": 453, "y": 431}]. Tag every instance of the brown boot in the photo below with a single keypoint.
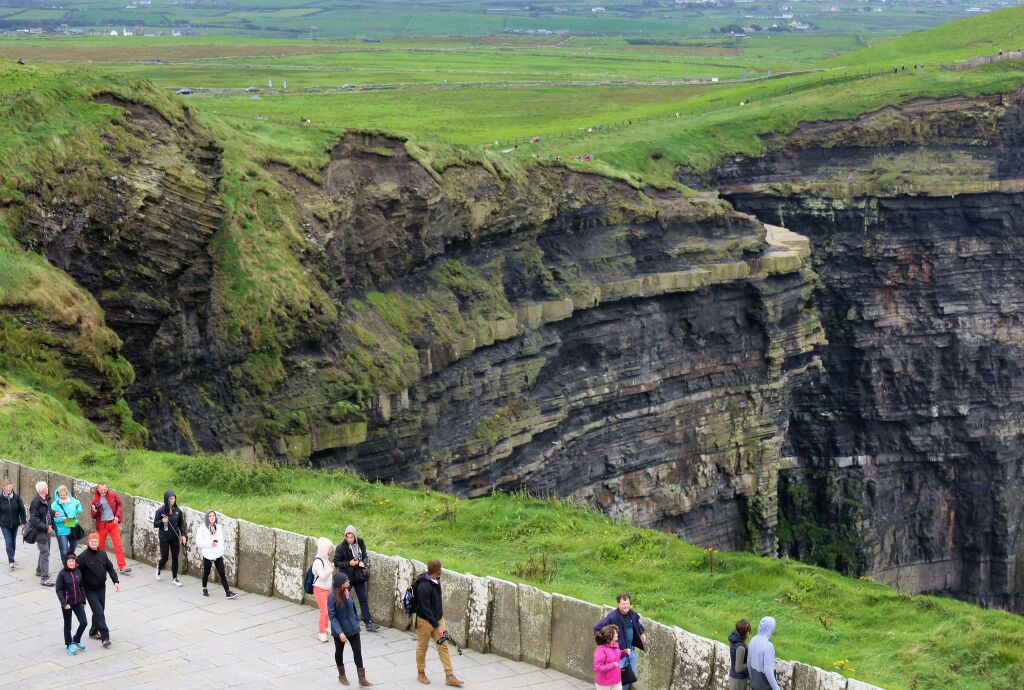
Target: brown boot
[
  {"x": 422, "y": 677},
  {"x": 452, "y": 680},
  {"x": 341, "y": 675},
  {"x": 363, "y": 683}
]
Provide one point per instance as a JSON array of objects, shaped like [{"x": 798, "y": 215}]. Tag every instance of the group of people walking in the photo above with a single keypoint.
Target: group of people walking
[{"x": 618, "y": 635}]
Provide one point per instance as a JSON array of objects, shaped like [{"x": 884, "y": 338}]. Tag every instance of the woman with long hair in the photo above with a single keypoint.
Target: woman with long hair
[
  {"x": 210, "y": 540},
  {"x": 345, "y": 628}
]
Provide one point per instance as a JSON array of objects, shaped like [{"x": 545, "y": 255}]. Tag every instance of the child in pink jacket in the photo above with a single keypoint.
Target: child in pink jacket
[{"x": 607, "y": 655}]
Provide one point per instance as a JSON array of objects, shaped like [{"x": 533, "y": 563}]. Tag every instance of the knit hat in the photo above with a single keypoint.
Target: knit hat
[
  {"x": 93, "y": 535},
  {"x": 69, "y": 555}
]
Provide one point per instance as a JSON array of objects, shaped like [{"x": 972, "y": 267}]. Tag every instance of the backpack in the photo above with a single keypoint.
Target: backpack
[
  {"x": 409, "y": 600},
  {"x": 307, "y": 584}
]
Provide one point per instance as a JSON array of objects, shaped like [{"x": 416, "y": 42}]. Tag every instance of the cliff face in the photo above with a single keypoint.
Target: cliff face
[{"x": 908, "y": 449}]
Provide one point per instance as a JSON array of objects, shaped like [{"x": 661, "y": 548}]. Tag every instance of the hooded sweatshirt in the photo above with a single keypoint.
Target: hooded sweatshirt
[
  {"x": 761, "y": 657},
  {"x": 175, "y": 527},
  {"x": 206, "y": 535},
  {"x": 323, "y": 568},
  {"x": 346, "y": 553},
  {"x": 737, "y": 656}
]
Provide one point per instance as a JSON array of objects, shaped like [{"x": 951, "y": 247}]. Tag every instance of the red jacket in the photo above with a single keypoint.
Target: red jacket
[{"x": 113, "y": 499}]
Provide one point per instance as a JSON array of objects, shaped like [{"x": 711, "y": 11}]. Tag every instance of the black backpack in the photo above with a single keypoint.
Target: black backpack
[
  {"x": 409, "y": 600},
  {"x": 307, "y": 585}
]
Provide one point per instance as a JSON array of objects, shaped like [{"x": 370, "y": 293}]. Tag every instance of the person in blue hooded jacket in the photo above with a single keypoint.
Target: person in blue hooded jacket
[
  {"x": 761, "y": 657},
  {"x": 341, "y": 610},
  {"x": 66, "y": 509}
]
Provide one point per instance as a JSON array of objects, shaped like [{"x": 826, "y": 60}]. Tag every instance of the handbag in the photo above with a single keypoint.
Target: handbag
[
  {"x": 628, "y": 677},
  {"x": 28, "y": 534},
  {"x": 77, "y": 532}
]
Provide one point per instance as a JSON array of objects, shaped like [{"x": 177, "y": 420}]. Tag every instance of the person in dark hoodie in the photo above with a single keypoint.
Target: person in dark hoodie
[
  {"x": 95, "y": 566},
  {"x": 761, "y": 657},
  {"x": 71, "y": 594},
  {"x": 12, "y": 516},
  {"x": 40, "y": 517},
  {"x": 351, "y": 558},
  {"x": 631, "y": 631},
  {"x": 169, "y": 521},
  {"x": 341, "y": 610},
  {"x": 430, "y": 624},
  {"x": 738, "y": 674}
]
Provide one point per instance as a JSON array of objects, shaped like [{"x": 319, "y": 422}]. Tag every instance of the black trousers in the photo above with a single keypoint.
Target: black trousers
[
  {"x": 97, "y": 604},
  {"x": 79, "y": 611},
  {"x": 339, "y": 649},
  {"x": 364, "y": 607},
  {"x": 207, "y": 564},
  {"x": 174, "y": 547}
]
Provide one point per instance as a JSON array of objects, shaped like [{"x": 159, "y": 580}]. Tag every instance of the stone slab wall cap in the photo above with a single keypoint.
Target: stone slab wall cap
[
  {"x": 83, "y": 492},
  {"x": 145, "y": 540},
  {"x": 694, "y": 661},
  {"x": 535, "y": 626},
  {"x": 28, "y": 476},
  {"x": 813, "y": 678},
  {"x": 720, "y": 670},
  {"x": 456, "y": 591},
  {"x": 503, "y": 631},
  {"x": 256, "y": 555},
  {"x": 572, "y": 639},
  {"x": 289, "y": 565},
  {"x": 480, "y": 615},
  {"x": 12, "y": 470},
  {"x": 784, "y": 674},
  {"x": 854, "y": 684},
  {"x": 658, "y": 660},
  {"x": 382, "y": 587}
]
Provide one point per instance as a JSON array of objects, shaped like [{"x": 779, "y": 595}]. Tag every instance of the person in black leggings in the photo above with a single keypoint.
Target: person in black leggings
[
  {"x": 169, "y": 522},
  {"x": 210, "y": 540},
  {"x": 345, "y": 628}
]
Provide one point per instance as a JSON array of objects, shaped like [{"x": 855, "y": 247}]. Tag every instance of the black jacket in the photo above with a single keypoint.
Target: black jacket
[
  {"x": 615, "y": 618},
  {"x": 69, "y": 587},
  {"x": 343, "y": 554},
  {"x": 12, "y": 511},
  {"x": 40, "y": 516},
  {"x": 428, "y": 599},
  {"x": 95, "y": 566},
  {"x": 735, "y": 642},
  {"x": 175, "y": 521}
]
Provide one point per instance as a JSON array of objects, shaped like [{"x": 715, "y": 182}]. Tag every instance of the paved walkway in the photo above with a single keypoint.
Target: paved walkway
[{"x": 164, "y": 636}]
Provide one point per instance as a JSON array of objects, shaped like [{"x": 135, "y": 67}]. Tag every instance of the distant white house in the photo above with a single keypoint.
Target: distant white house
[
  {"x": 596, "y": 10},
  {"x": 113, "y": 32}
]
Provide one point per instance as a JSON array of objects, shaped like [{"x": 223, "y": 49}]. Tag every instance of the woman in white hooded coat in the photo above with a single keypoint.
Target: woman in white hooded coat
[
  {"x": 210, "y": 540},
  {"x": 761, "y": 657},
  {"x": 323, "y": 579}
]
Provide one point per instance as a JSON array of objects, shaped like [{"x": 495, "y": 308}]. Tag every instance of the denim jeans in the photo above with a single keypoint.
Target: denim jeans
[
  {"x": 10, "y": 539},
  {"x": 65, "y": 543},
  {"x": 631, "y": 660}
]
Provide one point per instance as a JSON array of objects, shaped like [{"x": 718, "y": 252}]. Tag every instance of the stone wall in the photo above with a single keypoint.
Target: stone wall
[{"x": 483, "y": 613}]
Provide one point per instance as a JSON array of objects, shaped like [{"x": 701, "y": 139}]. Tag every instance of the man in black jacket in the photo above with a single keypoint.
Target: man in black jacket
[
  {"x": 12, "y": 516},
  {"x": 430, "y": 623},
  {"x": 631, "y": 631},
  {"x": 95, "y": 566},
  {"x": 41, "y": 518}
]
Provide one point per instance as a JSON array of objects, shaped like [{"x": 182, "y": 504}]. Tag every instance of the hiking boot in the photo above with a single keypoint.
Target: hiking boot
[
  {"x": 453, "y": 681},
  {"x": 95, "y": 636},
  {"x": 341, "y": 675},
  {"x": 106, "y": 644},
  {"x": 363, "y": 683},
  {"x": 422, "y": 677},
  {"x": 206, "y": 592}
]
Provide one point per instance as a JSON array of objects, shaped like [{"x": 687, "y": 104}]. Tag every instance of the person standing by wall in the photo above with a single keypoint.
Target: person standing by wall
[
  {"x": 108, "y": 512},
  {"x": 66, "y": 509},
  {"x": 323, "y": 579},
  {"x": 738, "y": 675},
  {"x": 608, "y": 659},
  {"x": 430, "y": 624},
  {"x": 341, "y": 610},
  {"x": 95, "y": 567},
  {"x": 40, "y": 518},
  {"x": 761, "y": 657},
  {"x": 352, "y": 559},
  {"x": 631, "y": 632},
  {"x": 12, "y": 516},
  {"x": 210, "y": 540},
  {"x": 169, "y": 521},
  {"x": 72, "y": 601}
]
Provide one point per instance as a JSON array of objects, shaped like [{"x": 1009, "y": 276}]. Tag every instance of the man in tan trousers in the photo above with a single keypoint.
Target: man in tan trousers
[{"x": 429, "y": 619}]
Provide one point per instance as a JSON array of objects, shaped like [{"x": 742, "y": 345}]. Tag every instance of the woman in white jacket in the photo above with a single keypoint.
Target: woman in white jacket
[{"x": 210, "y": 540}]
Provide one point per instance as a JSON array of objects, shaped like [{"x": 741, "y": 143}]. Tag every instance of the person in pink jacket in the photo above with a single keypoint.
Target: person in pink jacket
[{"x": 607, "y": 657}]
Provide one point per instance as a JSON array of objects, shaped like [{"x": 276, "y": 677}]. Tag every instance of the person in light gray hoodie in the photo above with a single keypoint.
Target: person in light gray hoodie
[{"x": 761, "y": 657}]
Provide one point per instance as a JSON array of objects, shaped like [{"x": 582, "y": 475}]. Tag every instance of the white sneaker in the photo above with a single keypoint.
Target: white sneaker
[
  {"x": 175, "y": 582},
  {"x": 158, "y": 573},
  {"x": 322, "y": 637}
]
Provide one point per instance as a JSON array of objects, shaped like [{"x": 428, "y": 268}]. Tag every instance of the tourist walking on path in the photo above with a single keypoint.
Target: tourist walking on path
[
  {"x": 738, "y": 674},
  {"x": 430, "y": 623},
  {"x": 761, "y": 657},
  {"x": 108, "y": 512},
  {"x": 323, "y": 578},
  {"x": 40, "y": 519},
  {"x": 95, "y": 567},
  {"x": 72, "y": 601},
  {"x": 12, "y": 516},
  {"x": 631, "y": 632},
  {"x": 608, "y": 659},
  {"x": 66, "y": 509},
  {"x": 341, "y": 610},
  {"x": 210, "y": 540},
  {"x": 169, "y": 522},
  {"x": 352, "y": 559}
]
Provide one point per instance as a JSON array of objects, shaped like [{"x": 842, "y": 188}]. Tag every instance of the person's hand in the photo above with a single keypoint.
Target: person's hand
[
  {"x": 353, "y": 562},
  {"x": 49, "y": 530},
  {"x": 361, "y": 564},
  {"x": 117, "y": 520},
  {"x": 183, "y": 540},
  {"x": 342, "y": 637},
  {"x": 643, "y": 638},
  {"x": 67, "y": 606},
  {"x": 117, "y": 586},
  {"x": 164, "y": 519}
]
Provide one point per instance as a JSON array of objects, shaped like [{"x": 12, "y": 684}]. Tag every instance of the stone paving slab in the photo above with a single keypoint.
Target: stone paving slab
[{"x": 168, "y": 636}]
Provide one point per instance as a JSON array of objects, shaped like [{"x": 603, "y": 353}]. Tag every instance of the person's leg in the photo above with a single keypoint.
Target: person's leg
[
  {"x": 97, "y": 604},
  {"x": 102, "y": 530},
  {"x": 423, "y": 631},
  {"x": 9, "y": 542},
  {"x": 207, "y": 564},
  {"x": 321, "y": 602},
  {"x": 115, "y": 536},
  {"x": 339, "y": 658},
  {"x": 43, "y": 543},
  {"x": 364, "y": 607},
  {"x": 175, "y": 547},
  {"x": 67, "y": 626},
  {"x": 446, "y": 657},
  {"x": 219, "y": 563},
  {"x": 62, "y": 547},
  {"x": 165, "y": 548},
  {"x": 72, "y": 545},
  {"x": 79, "y": 610}
]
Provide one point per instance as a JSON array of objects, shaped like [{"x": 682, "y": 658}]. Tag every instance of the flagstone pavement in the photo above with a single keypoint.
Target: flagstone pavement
[{"x": 169, "y": 637}]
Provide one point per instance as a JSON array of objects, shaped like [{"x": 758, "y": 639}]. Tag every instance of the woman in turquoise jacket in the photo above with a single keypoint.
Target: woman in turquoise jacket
[{"x": 66, "y": 509}]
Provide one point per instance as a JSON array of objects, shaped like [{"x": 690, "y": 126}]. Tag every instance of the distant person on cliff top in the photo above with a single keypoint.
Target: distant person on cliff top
[
  {"x": 169, "y": 522},
  {"x": 631, "y": 632},
  {"x": 96, "y": 566},
  {"x": 210, "y": 540},
  {"x": 608, "y": 659},
  {"x": 430, "y": 623},
  {"x": 761, "y": 657},
  {"x": 108, "y": 512},
  {"x": 12, "y": 516},
  {"x": 40, "y": 519},
  {"x": 66, "y": 509},
  {"x": 352, "y": 559},
  {"x": 341, "y": 610},
  {"x": 738, "y": 675},
  {"x": 323, "y": 577}
]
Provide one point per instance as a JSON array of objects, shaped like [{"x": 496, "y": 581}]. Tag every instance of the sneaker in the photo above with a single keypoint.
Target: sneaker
[
  {"x": 206, "y": 592},
  {"x": 12, "y": 565},
  {"x": 322, "y": 637},
  {"x": 158, "y": 573},
  {"x": 94, "y": 636},
  {"x": 174, "y": 581},
  {"x": 71, "y": 650},
  {"x": 80, "y": 645},
  {"x": 106, "y": 644},
  {"x": 125, "y": 571},
  {"x": 371, "y": 626},
  {"x": 231, "y": 595},
  {"x": 47, "y": 582}
]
